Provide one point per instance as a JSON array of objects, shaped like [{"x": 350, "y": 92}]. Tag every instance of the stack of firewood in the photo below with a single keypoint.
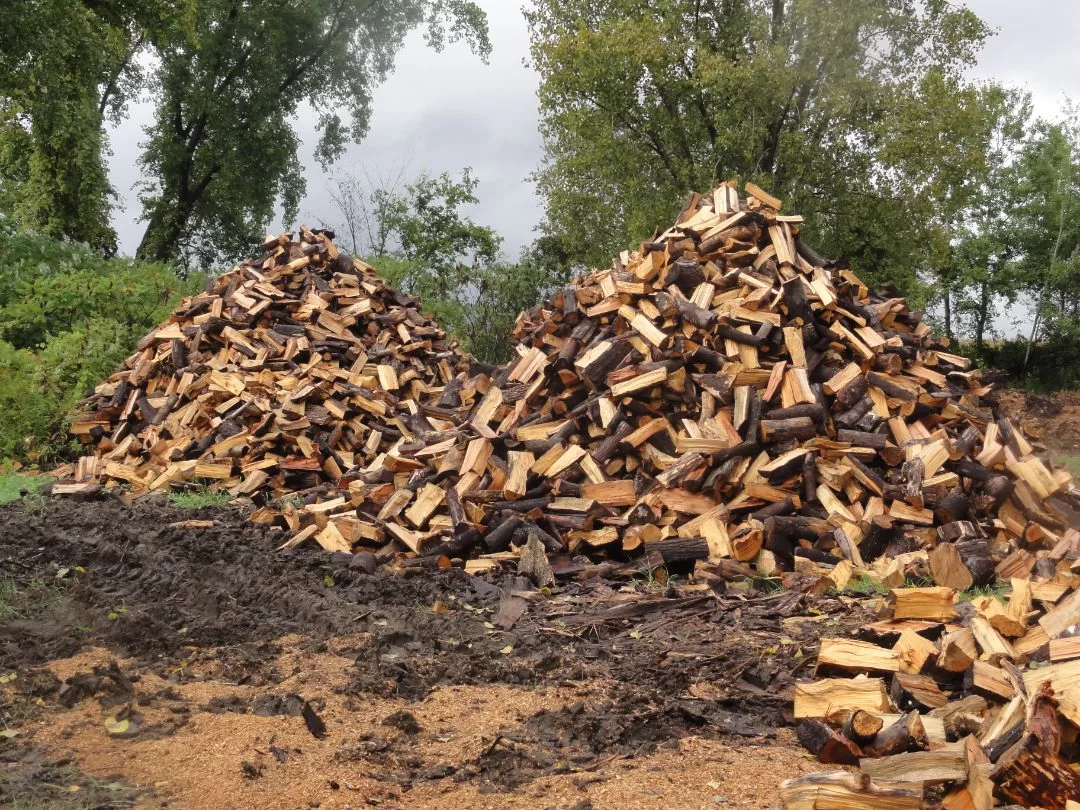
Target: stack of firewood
[
  {"x": 971, "y": 702},
  {"x": 285, "y": 374},
  {"x": 723, "y": 397}
]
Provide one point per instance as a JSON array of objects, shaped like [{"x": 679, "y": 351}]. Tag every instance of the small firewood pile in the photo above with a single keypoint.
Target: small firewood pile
[
  {"x": 952, "y": 703},
  {"x": 287, "y": 372}
]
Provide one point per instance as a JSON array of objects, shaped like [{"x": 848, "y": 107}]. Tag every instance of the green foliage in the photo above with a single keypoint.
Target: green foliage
[
  {"x": 65, "y": 65},
  {"x": 998, "y": 590},
  {"x": 1070, "y": 463},
  {"x": 862, "y": 584},
  {"x": 853, "y": 112},
  {"x": 424, "y": 244},
  {"x": 49, "y": 286},
  {"x": 199, "y": 496},
  {"x": 67, "y": 318},
  {"x": 222, "y": 151}
]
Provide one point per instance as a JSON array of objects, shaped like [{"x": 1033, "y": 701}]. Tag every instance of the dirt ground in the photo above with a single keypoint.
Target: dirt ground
[
  {"x": 145, "y": 664},
  {"x": 1052, "y": 418}
]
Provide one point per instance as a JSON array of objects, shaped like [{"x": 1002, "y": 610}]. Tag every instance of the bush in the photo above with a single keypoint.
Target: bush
[
  {"x": 1054, "y": 364},
  {"x": 67, "y": 319}
]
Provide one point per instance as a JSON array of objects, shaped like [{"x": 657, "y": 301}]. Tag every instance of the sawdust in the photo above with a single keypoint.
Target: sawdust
[
  {"x": 232, "y": 759},
  {"x": 213, "y": 651}
]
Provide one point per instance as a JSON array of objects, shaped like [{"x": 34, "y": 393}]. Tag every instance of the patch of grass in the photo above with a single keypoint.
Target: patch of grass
[
  {"x": 766, "y": 585},
  {"x": 198, "y": 497},
  {"x": 8, "y": 590},
  {"x": 998, "y": 590},
  {"x": 28, "y": 598},
  {"x": 13, "y": 483},
  {"x": 1070, "y": 463},
  {"x": 865, "y": 586}
]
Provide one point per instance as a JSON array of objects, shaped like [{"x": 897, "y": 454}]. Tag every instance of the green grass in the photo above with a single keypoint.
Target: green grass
[
  {"x": 998, "y": 590},
  {"x": 199, "y": 497},
  {"x": 1070, "y": 463},
  {"x": 8, "y": 590},
  {"x": 865, "y": 586},
  {"x": 11, "y": 483},
  {"x": 765, "y": 585}
]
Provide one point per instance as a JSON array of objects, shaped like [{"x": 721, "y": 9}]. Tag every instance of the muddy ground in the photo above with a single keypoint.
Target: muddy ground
[{"x": 147, "y": 664}]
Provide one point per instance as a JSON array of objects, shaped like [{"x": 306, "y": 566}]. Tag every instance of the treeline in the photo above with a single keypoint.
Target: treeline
[{"x": 857, "y": 113}]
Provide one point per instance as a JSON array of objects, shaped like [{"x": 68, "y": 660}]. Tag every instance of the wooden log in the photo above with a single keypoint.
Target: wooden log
[
  {"x": 781, "y": 430},
  {"x": 819, "y": 698},
  {"x": 953, "y": 507},
  {"x": 904, "y": 735},
  {"x": 1032, "y": 776},
  {"x": 936, "y": 604},
  {"x": 847, "y": 791},
  {"x": 862, "y": 727},
  {"x": 947, "y": 763},
  {"x": 856, "y": 656},
  {"x": 948, "y": 569},
  {"x": 826, "y": 744}
]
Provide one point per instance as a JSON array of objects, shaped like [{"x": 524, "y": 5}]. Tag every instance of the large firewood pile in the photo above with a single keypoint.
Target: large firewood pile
[{"x": 724, "y": 395}]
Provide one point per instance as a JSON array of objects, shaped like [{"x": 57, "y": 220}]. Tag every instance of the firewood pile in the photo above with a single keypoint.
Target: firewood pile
[
  {"x": 968, "y": 703},
  {"x": 723, "y": 401},
  {"x": 287, "y": 372},
  {"x": 723, "y": 398}
]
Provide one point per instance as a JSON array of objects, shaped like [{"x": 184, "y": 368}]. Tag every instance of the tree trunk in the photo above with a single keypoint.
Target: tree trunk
[
  {"x": 1045, "y": 288},
  {"x": 948, "y": 313}
]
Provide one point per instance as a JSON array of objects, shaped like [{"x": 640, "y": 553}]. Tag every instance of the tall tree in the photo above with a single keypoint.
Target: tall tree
[
  {"x": 1048, "y": 224},
  {"x": 65, "y": 66},
  {"x": 958, "y": 151},
  {"x": 644, "y": 100},
  {"x": 222, "y": 150},
  {"x": 423, "y": 242}
]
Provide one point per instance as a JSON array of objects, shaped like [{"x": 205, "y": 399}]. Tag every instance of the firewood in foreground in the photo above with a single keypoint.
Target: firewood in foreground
[{"x": 840, "y": 790}]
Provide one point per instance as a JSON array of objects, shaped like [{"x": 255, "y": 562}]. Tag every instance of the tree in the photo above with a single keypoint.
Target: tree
[
  {"x": 66, "y": 66},
  {"x": 361, "y": 231},
  {"x": 644, "y": 100},
  {"x": 965, "y": 190},
  {"x": 421, "y": 241},
  {"x": 1048, "y": 227},
  {"x": 222, "y": 150}
]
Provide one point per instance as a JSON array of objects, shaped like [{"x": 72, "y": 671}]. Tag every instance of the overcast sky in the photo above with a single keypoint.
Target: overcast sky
[{"x": 444, "y": 111}]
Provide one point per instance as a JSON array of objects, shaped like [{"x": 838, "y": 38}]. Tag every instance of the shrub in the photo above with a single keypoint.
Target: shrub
[{"x": 67, "y": 318}]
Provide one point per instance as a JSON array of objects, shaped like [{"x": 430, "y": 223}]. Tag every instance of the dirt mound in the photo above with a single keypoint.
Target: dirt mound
[
  {"x": 141, "y": 581},
  {"x": 1053, "y": 419}
]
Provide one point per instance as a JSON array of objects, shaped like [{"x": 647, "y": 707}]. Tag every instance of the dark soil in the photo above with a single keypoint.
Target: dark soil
[
  {"x": 27, "y": 779},
  {"x": 675, "y": 664}
]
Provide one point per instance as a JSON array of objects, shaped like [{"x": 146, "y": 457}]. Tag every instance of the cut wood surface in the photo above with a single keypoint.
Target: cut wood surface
[
  {"x": 821, "y": 698},
  {"x": 841, "y": 790}
]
